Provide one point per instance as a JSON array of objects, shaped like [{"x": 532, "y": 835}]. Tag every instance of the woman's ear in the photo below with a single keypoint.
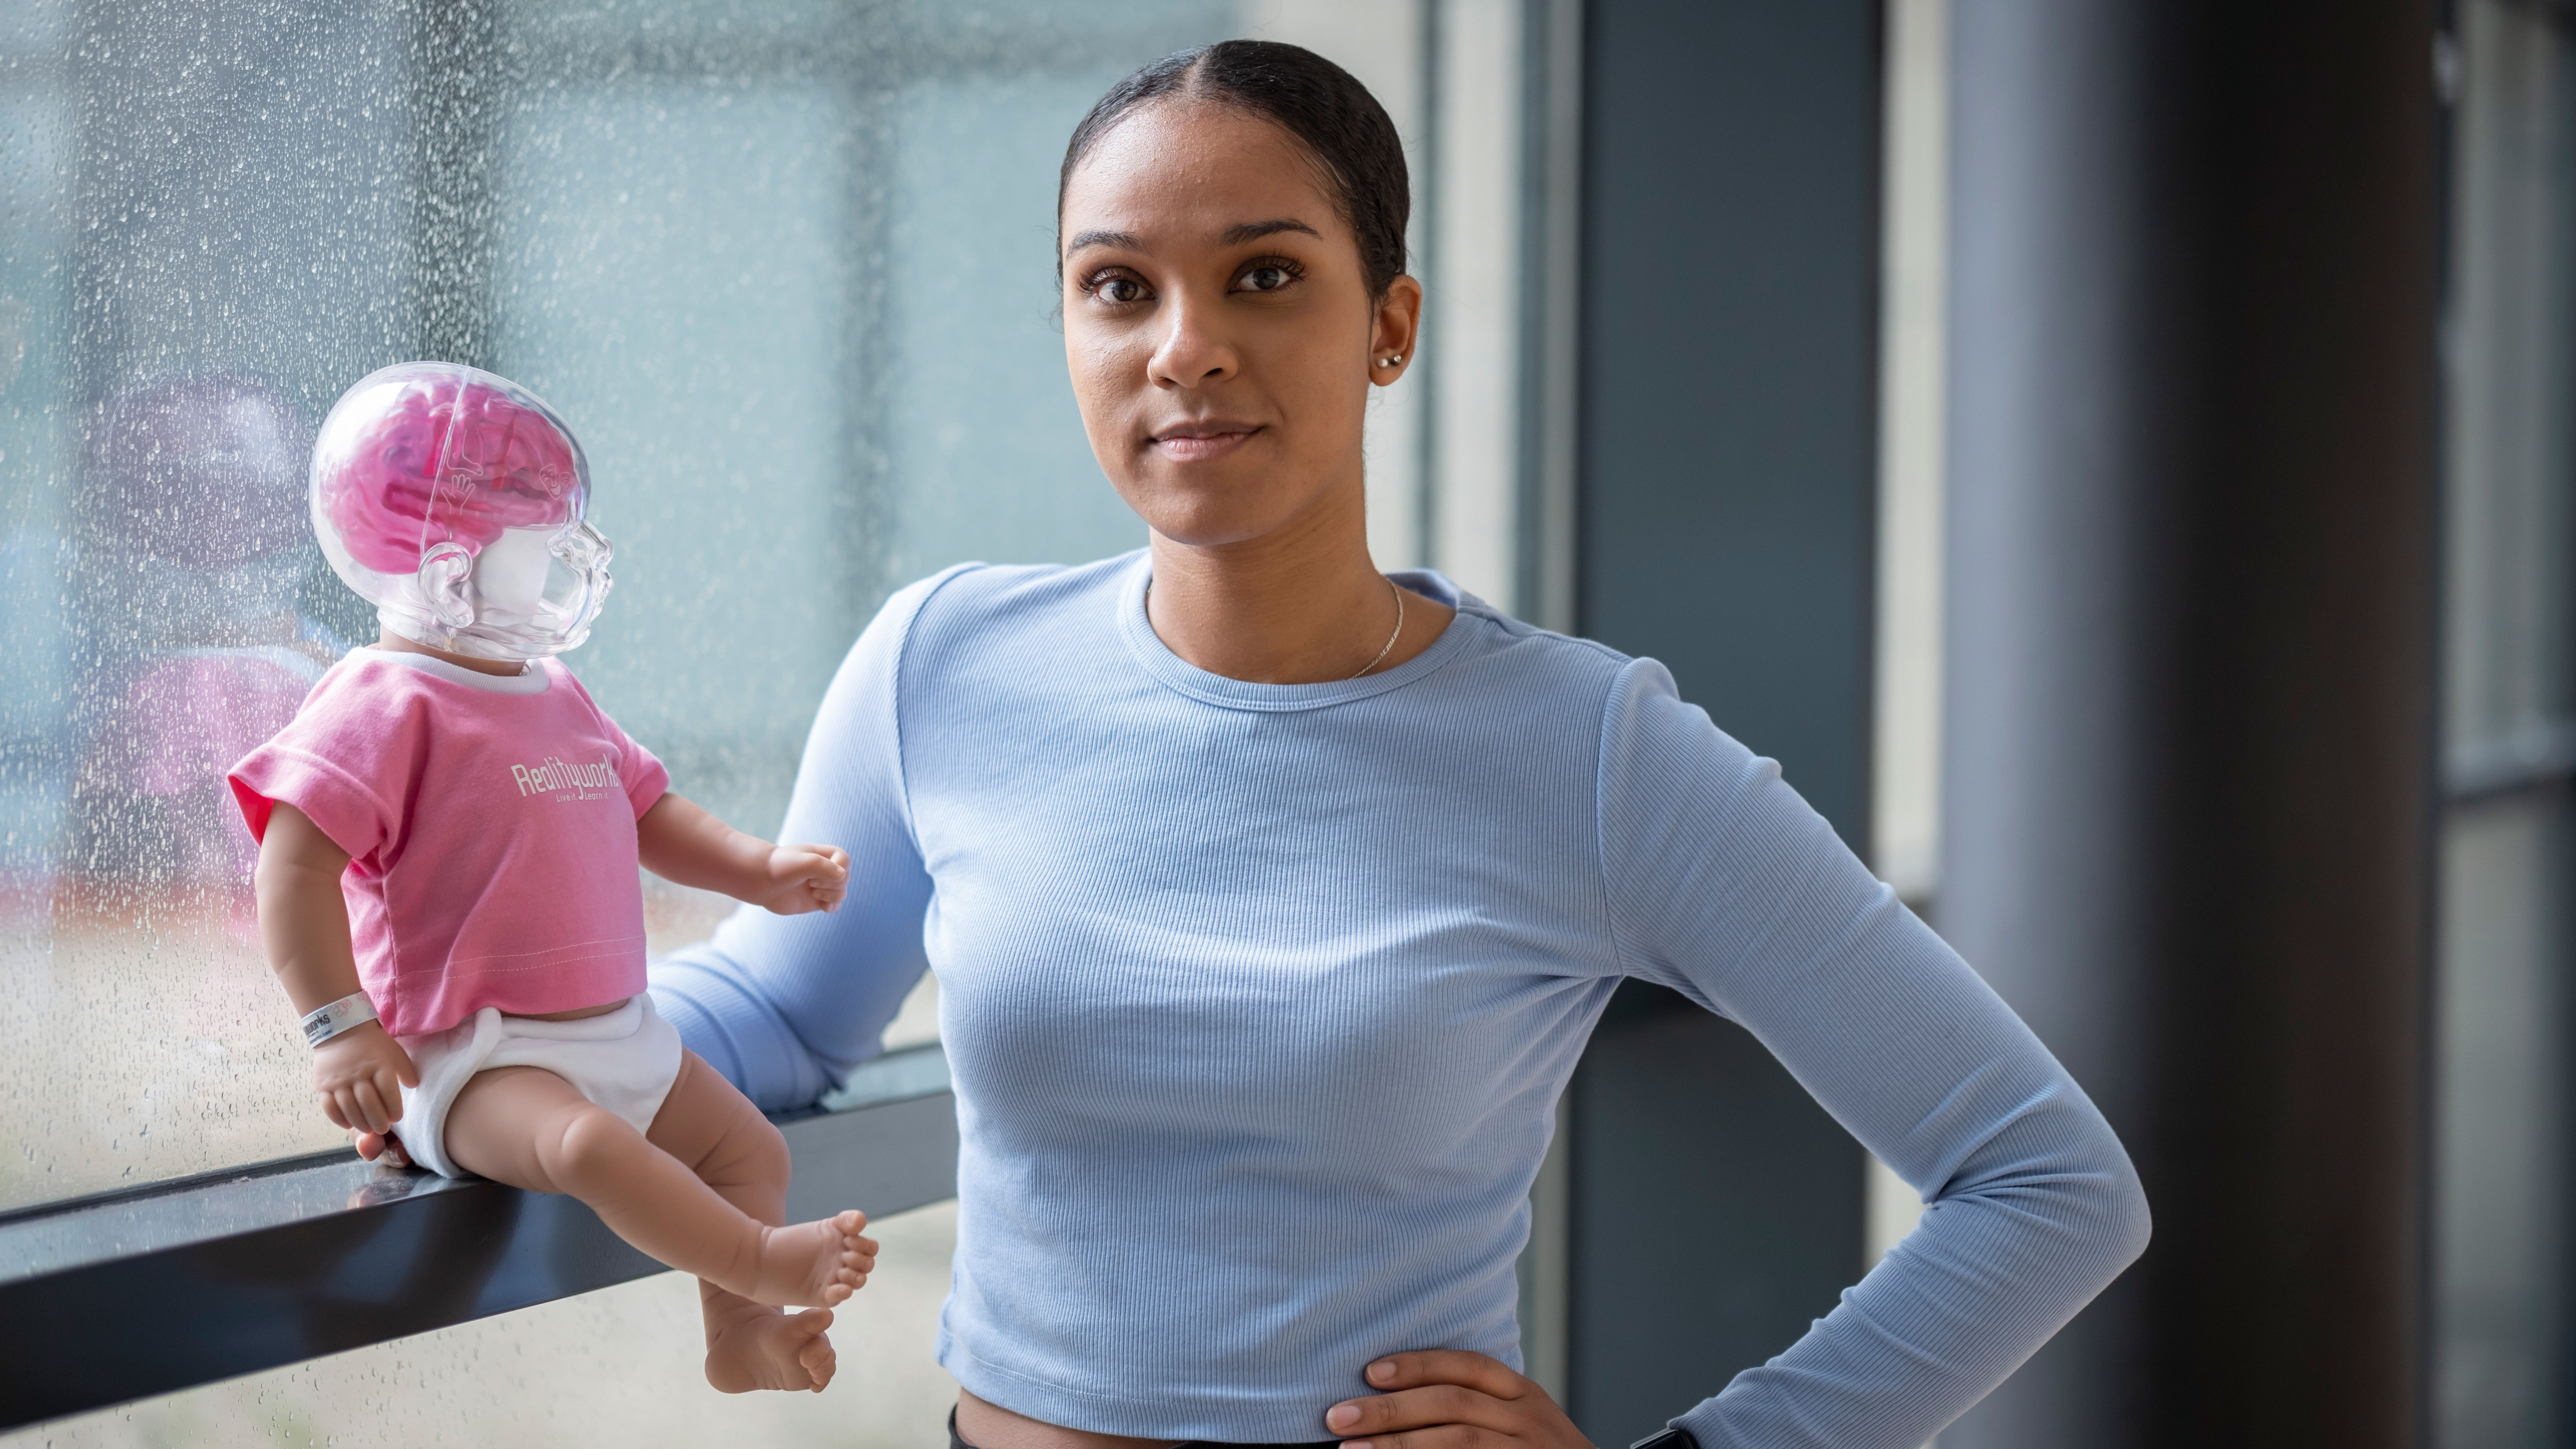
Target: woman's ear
[
  {"x": 1398, "y": 327},
  {"x": 446, "y": 584}
]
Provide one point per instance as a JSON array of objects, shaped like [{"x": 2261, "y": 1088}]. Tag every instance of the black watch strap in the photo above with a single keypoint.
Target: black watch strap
[{"x": 1667, "y": 1439}]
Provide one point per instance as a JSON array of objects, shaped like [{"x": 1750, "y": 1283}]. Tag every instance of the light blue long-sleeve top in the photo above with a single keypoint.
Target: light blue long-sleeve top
[{"x": 1258, "y": 1000}]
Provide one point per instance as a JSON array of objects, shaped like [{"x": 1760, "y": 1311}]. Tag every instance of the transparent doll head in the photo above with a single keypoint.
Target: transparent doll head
[{"x": 454, "y": 500}]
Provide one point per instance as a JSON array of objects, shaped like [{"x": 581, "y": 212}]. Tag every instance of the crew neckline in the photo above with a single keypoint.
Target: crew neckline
[
  {"x": 1179, "y": 674},
  {"x": 535, "y": 679}
]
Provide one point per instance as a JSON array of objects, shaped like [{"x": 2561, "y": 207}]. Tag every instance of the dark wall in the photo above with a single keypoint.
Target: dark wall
[
  {"x": 1730, "y": 367},
  {"x": 1727, "y": 470}
]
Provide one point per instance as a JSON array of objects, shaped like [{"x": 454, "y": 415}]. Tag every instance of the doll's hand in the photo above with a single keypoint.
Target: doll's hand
[
  {"x": 382, "y": 1149},
  {"x": 360, "y": 1074},
  {"x": 806, "y": 878}
]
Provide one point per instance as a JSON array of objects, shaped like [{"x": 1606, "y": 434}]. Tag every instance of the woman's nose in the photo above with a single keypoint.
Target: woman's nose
[{"x": 1191, "y": 354}]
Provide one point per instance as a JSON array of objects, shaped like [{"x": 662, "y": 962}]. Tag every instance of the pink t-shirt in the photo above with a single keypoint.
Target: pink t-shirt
[{"x": 490, "y": 825}]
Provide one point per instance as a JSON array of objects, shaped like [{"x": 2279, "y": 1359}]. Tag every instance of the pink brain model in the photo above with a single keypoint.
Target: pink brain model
[{"x": 438, "y": 453}]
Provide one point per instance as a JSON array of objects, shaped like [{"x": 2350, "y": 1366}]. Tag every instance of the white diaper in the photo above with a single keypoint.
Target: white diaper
[{"x": 624, "y": 1060}]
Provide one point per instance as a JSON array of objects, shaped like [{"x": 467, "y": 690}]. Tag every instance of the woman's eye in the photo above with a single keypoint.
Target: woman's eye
[
  {"x": 1267, "y": 277},
  {"x": 1118, "y": 289}
]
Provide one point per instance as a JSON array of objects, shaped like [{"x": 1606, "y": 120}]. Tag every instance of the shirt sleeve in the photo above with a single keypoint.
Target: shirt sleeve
[
  {"x": 785, "y": 1006},
  {"x": 1724, "y": 885},
  {"x": 342, "y": 761},
  {"x": 639, "y": 773}
]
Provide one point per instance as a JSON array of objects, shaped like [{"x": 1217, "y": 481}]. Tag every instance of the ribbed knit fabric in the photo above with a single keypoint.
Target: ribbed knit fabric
[{"x": 1258, "y": 1000}]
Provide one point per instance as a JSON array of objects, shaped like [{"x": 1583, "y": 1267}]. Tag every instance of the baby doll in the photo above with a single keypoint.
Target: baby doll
[{"x": 449, "y": 831}]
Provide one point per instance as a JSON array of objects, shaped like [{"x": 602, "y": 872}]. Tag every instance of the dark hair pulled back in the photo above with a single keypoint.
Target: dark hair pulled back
[{"x": 1329, "y": 112}]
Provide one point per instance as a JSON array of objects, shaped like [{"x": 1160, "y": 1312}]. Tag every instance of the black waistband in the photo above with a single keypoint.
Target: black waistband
[{"x": 954, "y": 1442}]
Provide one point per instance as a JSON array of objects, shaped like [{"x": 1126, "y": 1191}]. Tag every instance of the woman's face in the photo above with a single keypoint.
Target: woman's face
[{"x": 1218, "y": 326}]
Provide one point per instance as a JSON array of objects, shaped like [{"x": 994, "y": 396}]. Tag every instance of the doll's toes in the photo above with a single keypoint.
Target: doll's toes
[{"x": 818, "y": 1360}]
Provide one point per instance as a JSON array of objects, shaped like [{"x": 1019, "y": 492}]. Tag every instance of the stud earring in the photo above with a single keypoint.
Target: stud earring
[{"x": 1392, "y": 361}]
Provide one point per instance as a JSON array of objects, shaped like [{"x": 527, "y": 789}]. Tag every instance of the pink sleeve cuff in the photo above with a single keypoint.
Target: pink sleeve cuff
[
  {"x": 644, "y": 777},
  {"x": 337, "y": 802}
]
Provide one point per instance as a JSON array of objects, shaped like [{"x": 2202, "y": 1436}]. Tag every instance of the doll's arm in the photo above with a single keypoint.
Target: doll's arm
[
  {"x": 679, "y": 841},
  {"x": 304, "y": 926}
]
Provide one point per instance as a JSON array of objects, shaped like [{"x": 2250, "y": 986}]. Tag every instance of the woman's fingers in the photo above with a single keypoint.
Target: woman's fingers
[
  {"x": 1422, "y": 1408},
  {"x": 1478, "y": 1371},
  {"x": 1451, "y": 1399}
]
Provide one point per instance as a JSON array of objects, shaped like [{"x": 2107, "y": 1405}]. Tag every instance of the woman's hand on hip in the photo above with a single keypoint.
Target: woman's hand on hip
[{"x": 1449, "y": 1398}]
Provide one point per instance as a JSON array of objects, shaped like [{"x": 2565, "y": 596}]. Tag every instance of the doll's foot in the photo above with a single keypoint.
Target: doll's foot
[
  {"x": 817, "y": 1264},
  {"x": 772, "y": 1351}
]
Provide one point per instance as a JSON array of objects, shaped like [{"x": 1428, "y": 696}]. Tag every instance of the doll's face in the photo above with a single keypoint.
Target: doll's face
[{"x": 535, "y": 591}]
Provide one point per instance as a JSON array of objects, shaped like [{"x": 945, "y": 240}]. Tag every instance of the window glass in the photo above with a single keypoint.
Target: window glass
[
  {"x": 2501, "y": 1208},
  {"x": 785, "y": 268},
  {"x": 204, "y": 240}
]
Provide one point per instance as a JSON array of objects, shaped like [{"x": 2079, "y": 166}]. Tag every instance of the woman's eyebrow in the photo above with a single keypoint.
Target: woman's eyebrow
[
  {"x": 1255, "y": 230},
  {"x": 1126, "y": 239}
]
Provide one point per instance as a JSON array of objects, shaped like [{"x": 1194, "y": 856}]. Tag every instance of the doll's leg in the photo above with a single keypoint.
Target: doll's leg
[
  {"x": 705, "y": 1123},
  {"x": 529, "y": 1128}
]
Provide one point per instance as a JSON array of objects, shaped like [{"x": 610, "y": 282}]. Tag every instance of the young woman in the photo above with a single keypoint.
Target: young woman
[{"x": 1272, "y": 898}]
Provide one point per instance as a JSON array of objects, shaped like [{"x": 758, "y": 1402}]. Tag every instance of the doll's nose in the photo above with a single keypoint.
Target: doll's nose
[{"x": 584, "y": 547}]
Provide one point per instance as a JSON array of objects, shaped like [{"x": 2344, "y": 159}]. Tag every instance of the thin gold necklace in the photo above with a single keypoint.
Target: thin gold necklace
[{"x": 1392, "y": 635}]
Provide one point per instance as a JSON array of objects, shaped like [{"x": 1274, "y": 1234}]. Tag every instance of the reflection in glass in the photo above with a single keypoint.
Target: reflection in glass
[{"x": 192, "y": 546}]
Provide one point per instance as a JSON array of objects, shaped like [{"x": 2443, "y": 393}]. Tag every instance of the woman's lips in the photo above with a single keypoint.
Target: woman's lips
[{"x": 1195, "y": 444}]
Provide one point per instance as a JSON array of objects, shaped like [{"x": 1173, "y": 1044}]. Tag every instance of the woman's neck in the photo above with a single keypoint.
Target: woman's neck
[{"x": 1301, "y": 605}]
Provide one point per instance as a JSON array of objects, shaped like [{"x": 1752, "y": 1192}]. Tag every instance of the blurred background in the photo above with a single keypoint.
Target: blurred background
[{"x": 2117, "y": 456}]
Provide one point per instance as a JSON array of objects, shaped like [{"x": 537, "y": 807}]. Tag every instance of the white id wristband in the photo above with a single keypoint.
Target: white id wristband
[{"x": 347, "y": 1013}]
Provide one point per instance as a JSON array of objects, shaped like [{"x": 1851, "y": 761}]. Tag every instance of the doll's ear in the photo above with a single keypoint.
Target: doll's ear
[{"x": 446, "y": 584}]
